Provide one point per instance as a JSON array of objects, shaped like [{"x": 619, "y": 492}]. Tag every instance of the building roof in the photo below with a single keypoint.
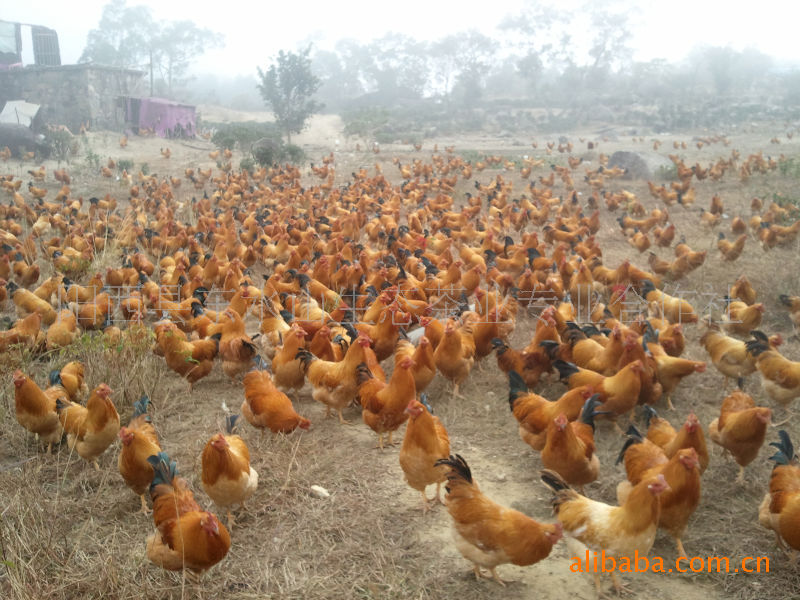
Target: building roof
[{"x": 19, "y": 111}]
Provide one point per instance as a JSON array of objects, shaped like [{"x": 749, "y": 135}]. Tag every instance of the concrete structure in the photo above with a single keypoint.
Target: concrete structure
[{"x": 73, "y": 95}]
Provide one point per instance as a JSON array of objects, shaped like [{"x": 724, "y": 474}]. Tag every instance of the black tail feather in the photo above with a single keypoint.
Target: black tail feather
[
  {"x": 516, "y": 387},
  {"x": 565, "y": 369},
  {"x": 459, "y": 469}
]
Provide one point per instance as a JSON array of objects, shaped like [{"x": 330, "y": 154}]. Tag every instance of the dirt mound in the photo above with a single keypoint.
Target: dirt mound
[{"x": 638, "y": 165}]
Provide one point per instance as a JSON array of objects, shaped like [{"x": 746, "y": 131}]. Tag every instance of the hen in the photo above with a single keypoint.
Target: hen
[
  {"x": 569, "y": 448},
  {"x": 186, "y": 537},
  {"x": 287, "y": 369},
  {"x": 690, "y": 435},
  {"x": 92, "y": 428},
  {"x": 227, "y": 476},
  {"x": 266, "y": 407},
  {"x": 36, "y": 410},
  {"x": 139, "y": 442},
  {"x": 425, "y": 442},
  {"x": 488, "y": 534},
  {"x": 192, "y": 360},
  {"x": 643, "y": 459},
  {"x": 455, "y": 355},
  {"x": 619, "y": 531},
  {"x": 383, "y": 404},
  {"x": 236, "y": 349},
  {"x": 780, "y": 377},
  {"x": 740, "y": 428}
]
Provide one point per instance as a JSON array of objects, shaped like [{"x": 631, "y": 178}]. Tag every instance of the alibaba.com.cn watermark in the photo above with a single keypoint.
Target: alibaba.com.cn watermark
[{"x": 600, "y": 562}]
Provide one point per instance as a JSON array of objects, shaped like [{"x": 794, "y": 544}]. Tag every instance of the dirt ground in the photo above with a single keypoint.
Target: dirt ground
[{"x": 71, "y": 532}]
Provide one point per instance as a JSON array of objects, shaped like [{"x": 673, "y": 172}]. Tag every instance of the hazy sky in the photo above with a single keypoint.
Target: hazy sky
[{"x": 255, "y": 31}]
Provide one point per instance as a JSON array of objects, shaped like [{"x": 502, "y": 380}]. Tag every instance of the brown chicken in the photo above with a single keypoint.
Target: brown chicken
[
  {"x": 424, "y": 369},
  {"x": 27, "y": 302},
  {"x": 425, "y": 442},
  {"x": 139, "y": 442},
  {"x": 26, "y": 332},
  {"x": 287, "y": 369},
  {"x": 643, "y": 459},
  {"x": 192, "y": 360},
  {"x": 569, "y": 447},
  {"x": 383, "y": 404},
  {"x": 63, "y": 331},
  {"x": 740, "y": 428},
  {"x": 534, "y": 413},
  {"x": 780, "y": 509},
  {"x": 780, "y": 377},
  {"x": 267, "y": 407},
  {"x": 92, "y": 428},
  {"x": 741, "y": 319},
  {"x": 690, "y": 435},
  {"x": 236, "y": 349},
  {"x": 488, "y": 534},
  {"x": 227, "y": 476},
  {"x": 619, "y": 531},
  {"x": 455, "y": 355},
  {"x": 529, "y": 365},
  {"x": 36, "y": 410},
  {"x": 186, "y": 536}
]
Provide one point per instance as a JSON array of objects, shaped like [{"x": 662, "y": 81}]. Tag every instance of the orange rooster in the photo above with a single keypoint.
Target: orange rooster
[
  {"x": 36, "y": 411},
  {"x": 740, "y": 428},
  {"x": 139, "y": 442},
  {"x": 227, "y": 476},
  {"x": 488, "y": 534},
  {"x": 287, "y": 369},
  {"x": 92, "y": 428},
  {"x": 619, "y": 531},
  {"x": 424, "y": 369},
  {"x": 569, "y": 447},
  {"x": 266, "y": 407},
  {"x": 425, "y": 442},
  {"x": 383, "y": 404},
  {"x": 186, "y": 536},
  {"x": 780, "y": 377},
  {"x": 780, "y": 509}
]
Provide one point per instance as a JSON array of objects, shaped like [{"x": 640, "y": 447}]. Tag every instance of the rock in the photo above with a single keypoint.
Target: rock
[
  {"x": 320, "y": 492},
  {"x": 638, "y": 165}
]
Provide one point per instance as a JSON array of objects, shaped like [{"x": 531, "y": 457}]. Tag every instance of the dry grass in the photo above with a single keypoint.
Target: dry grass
[{"x": 68, "y": 531}]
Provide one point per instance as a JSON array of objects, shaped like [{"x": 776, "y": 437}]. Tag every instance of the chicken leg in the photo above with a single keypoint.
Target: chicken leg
[
  {"x": 681, "y": 550},
  {"x": 145, "y": 510}
]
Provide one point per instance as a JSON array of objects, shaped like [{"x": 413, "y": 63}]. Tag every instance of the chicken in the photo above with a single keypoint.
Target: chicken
[
  {"x": 236, "y": 349},
  {"x": 383, "y": 404},
  {"x": 139, "y": 442},
  {"x": 192, "y": 360},
  {"x": 92, "y": 428},
  {"x": 728, "y": 355},
  {"x": 690, "y": 435},
  {"x": 793, "y": 303},
  {"x": 227, "y": 476},
  {"x": 780, "y": 377},
  {"x": 63, "y": 331},
  {"x": 569, "y": 447},
  {"x": 619, "y": 531},
  {"x": 424, "y": 369},
  {"x": 71, "y": 378},
  {"x": 619, "y": 393},
  {"x": 186, "y": 537},
  {"x": 25, "y": 332},
  {"x": 731, "y": 250},
  {"x": 780, "y": 509},
  {"x": 529, "y": 365},
  {"x": 488, "y": 534},
  {"x": 95, "y": 313},
  {"x": 266, "y": 407},
  {"x": 643, "y": 459},
  {"x": 27, "y": 302},
  {"x": 670, "y": 370},
  {"x": 674, "y": 309},
  {"x": 455, "y": 355},
  {"x": 36, "y": 411},
  {"x": 336, "y": 383},
  {"x": 740, "y": 428},
  {"x": 425, "y": 442},
  {"x": 741, "y": 319},
  {"x": 287, "y": 369}
]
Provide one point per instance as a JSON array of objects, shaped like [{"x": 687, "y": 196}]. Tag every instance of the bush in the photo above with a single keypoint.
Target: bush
[
  {"x": 229, "y": 135},
  {"x": 293, "y": 153},
  {"x": 271, "y": 150},
  {"x": 247, "y": 164},
  {"x": 61, "y": 144},
  {"x": 124, "y": 164}
]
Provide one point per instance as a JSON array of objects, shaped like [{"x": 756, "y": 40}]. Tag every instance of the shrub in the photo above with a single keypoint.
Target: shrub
[
  {"x": 243, "y": 135},
  {"x": 124, "y": 164},
  {"x": 247, "y": 164}
]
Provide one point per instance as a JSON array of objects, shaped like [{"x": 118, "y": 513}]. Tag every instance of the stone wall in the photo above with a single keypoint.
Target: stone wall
[{"x": 74, "y": 94}]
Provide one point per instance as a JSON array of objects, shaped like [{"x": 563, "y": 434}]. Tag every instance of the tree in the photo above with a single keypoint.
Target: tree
[
  {"x": 287, "y": 87},
  {"x": 128, "y": 37},
  {"x": 176, "y": 45}
]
